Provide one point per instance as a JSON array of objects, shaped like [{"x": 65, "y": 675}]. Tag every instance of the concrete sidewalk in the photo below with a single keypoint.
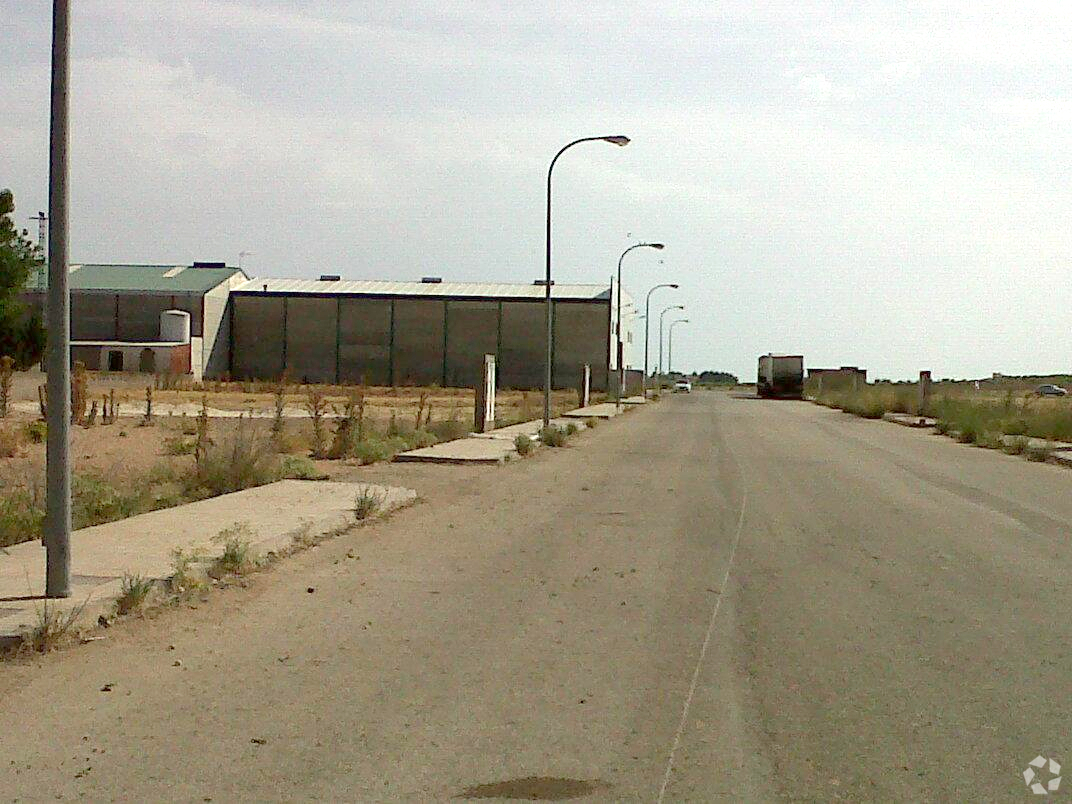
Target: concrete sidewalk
[
  {"x": 604, "y": 410},
  {"x": 144, "y": 545},
  {"x": 493, "y": 447}
]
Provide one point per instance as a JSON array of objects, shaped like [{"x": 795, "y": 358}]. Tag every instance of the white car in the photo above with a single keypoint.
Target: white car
[{"x": 682, "y": 387}]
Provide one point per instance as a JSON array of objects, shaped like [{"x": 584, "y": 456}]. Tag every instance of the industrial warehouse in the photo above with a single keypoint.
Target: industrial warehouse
[{"x": 330, "y": 330}]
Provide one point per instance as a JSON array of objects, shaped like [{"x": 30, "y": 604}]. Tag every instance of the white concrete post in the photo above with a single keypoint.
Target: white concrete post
[
  {"x": 585, "y": 395},
  {"x": 484, "y": 409}
]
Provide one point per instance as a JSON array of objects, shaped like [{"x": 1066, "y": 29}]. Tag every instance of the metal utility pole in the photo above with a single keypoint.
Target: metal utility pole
[
  {"x": 647, "y": 335},
  {"x": 670, "y": 345},
  {"x": 614, "y": 140},
  {"x": 621, "y": 343},
  {"x": 663, "y": 313},
  {"x": 58, "y": 466}
]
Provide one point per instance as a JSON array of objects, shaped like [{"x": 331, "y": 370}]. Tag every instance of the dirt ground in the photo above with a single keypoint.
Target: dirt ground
[
  {"x": 380, "y": 401},
  {"x": 127, "y": 449}
]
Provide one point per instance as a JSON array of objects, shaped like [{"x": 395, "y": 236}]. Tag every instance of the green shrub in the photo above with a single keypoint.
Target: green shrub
[
  {"x": 298, "y": 467},
  {"x": 179, "y": 445},
  {"x": 523, "y": 444},
  {"x": 448, "y": 430},
  {"x": 1016, "y": 445},
  {"x": 22, "y": 516},
  {"x": 241, "y": 461},
  {"x": 418, "y": 439},
  {"x": 185, "y": 576},
  {"x": 1038, "y": 454},
  {"x": 572, "y": 429},
  {"x": 372, "y": 450},
  {"x": 552, "y": 436},
  {"x": 96, "y": 499},
  {"x": 133, "y": 593},
  {"x": 591, "y": 422},
  {"x": 367, "y": 504},
  {"x": 37, "y": 432},
  {"x": 237, "y": 557}
]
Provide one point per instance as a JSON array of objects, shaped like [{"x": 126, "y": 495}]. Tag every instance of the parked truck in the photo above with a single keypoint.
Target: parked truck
[{"x": 781, "y": 376}]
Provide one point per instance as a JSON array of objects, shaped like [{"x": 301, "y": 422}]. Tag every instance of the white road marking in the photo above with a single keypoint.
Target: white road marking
[{"x": 703, "y": 650}]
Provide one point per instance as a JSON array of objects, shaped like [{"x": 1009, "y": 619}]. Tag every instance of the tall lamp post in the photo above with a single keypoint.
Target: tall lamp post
[
  {"x": 670, "y": 344},
  {"x": 621, "y": 344},
  {"x": 57, "y": 530},
  {"x": 647, "y": 335},
  {"x": 661, "y": 315},
  {"x": 614, "y": 140}
]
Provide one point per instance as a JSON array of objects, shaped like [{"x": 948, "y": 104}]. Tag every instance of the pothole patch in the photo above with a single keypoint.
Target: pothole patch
[{"x": 535, "y": 788}]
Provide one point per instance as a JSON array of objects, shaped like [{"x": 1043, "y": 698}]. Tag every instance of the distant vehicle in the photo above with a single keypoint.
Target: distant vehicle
[
  {"x": 781, "y": 376},
  {"x": 1051, "y": 390},
  {"x": 682, "y": 387}
]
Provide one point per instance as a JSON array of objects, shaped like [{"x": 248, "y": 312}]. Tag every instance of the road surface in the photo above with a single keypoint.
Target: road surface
[{"x": 713, "y": 598}]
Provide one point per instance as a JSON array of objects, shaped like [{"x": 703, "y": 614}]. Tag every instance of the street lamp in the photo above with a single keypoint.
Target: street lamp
[
  {"x": 670, "y": 344},
  {"x": 647, "y": 336},
  {"x": 621, "y": 345},
  {"x": 663, "y": 313},
  {"x": 57, "y": 526},
  {"x": 614, "y": 140}
]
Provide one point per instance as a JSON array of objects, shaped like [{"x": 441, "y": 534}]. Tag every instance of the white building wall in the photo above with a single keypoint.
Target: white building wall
[{"x": 217, "y": 327}]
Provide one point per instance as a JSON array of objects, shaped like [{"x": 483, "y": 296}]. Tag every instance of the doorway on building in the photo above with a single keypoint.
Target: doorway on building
[
  {"x": 115, "y": 361},
  {"x": 147, "y": 361}
]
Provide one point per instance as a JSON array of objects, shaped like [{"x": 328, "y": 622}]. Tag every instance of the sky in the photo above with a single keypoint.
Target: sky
[{"x": 876, "y": 184}]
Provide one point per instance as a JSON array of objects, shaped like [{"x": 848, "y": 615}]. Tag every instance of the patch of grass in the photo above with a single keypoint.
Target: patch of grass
[
  {"x": 1016, "y": 445},
  {"x": 10, "y": 442},
  {"x": 238, "y": 556},
  {"x": 96, "y": 499},
  {"x": 37, "y": 432},
  {"x": 1038, "y": 454},
  {"x": 523, "y": 444},
  {"x": 372, "y": 450},
  {"x": 418, "y": 439},
  {"x": 179, "y": 445},
  {"x": 241, "y": 461},
  {"x": 298, "y": 467},
  {"x": 552, "y": 436},
  {"x": 22, "y": 515},
  {"x": 991, "y": 440},
  {"x": 185, "y": 577},
  {"x": 367, "y": 504},
  {"x": 572, "y": 429},
  {"x": 448, "y": 430},
  {"x": 53, "y": 627},
  {"x": 133, "y": 594},
  {"x": 303, "y": 537},
  {"x": 591, "y": 422}
]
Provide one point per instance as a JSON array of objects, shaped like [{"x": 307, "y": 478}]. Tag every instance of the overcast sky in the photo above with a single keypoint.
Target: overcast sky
[{"x": 880, "y": 184}]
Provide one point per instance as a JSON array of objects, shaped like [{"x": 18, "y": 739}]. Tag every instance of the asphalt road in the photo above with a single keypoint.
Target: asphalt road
[{"x": 713, "y": 598}]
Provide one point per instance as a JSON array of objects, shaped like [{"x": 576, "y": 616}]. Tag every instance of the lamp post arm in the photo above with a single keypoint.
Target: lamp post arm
[{"x": 547, "y": 279}]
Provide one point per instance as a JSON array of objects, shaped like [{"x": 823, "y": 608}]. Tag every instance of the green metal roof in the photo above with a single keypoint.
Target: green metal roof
[{"x": 145, "y": 278}]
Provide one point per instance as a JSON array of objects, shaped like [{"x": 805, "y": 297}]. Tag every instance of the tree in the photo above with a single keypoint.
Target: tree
[
  {"x": 22, "y": 335},
  {"x": 717, "y": 378}
]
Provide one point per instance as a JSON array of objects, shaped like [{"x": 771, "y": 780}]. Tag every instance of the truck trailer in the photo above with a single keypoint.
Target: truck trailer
[{"x": 780, "y": 376}]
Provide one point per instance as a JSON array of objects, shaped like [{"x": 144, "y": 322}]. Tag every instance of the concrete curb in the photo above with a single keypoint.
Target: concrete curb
[
  {"x": 277, "y": 515},
  {"x": 908, "y": 420}
]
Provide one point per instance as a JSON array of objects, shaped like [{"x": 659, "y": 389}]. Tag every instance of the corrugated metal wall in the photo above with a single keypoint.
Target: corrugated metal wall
[{"x": 325, "y": 339}]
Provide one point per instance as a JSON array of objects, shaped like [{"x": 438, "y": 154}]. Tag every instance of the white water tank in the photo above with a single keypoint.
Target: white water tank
[{"x": 175, "y": 326}]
